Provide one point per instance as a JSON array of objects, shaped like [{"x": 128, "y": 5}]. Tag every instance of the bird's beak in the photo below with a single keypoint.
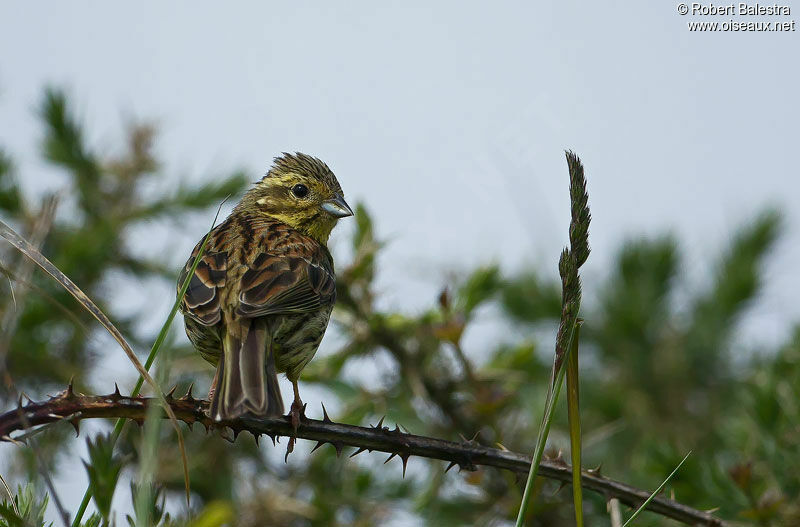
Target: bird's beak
[{"x": 337, "y": 207}]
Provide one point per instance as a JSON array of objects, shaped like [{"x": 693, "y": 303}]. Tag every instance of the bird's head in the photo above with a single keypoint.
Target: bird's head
[{"x": 302, "y": 192}]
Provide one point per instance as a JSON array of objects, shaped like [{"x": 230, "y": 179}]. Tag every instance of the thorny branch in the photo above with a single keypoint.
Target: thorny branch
[{"x": 73, "y": 407}]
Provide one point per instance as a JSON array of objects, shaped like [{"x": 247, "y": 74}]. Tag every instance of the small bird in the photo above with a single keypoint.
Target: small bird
[{"x": 262, "y": 294}]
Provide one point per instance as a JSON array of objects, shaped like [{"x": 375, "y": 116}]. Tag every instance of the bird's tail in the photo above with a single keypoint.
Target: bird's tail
[{"x": 246, "y": 378}]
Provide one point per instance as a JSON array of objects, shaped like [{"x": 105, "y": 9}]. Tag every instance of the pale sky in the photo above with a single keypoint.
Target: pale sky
[{"x": 448, "y": 119}]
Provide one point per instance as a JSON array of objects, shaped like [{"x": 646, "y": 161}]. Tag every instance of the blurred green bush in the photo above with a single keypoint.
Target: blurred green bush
[{"x": 659, "y": 376}]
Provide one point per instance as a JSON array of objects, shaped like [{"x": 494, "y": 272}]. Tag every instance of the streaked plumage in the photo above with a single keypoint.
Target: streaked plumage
[{"x": 261, "y": 297}]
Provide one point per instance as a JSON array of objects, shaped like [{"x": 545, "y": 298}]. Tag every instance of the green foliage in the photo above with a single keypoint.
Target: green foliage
[
  {"x": 10, "y": 198},
  {"x": 24, "y": 510},
  {"x": 734, "y": 285},
  {"x": 93, "y": 521},
  {"x": 478, "y": 288},
  {"x": 103, "y": 469},
  {"x": 767, "y": 486},
  {"x": 656, "y": 375},
  {"x": 154, "y": 513},
  {"x": 530, "y": 299}
]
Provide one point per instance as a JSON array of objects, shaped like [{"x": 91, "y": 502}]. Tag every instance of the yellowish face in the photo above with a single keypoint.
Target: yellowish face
[{"x": 303, "y": 193}]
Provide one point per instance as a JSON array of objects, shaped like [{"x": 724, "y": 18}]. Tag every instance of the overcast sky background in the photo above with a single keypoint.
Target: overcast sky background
[{"x": 449, "y": 120}]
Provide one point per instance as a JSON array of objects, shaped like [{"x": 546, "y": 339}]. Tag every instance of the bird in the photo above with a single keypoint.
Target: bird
[{"x": 261, "y": 296}]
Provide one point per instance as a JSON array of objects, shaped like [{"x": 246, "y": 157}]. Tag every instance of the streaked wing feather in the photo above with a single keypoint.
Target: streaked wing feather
[
  {"x": 201, "y": 301},
  {"x": 277, "y": 284}
]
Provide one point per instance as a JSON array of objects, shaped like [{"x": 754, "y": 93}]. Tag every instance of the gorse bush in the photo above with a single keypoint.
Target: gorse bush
[{"x": 656, "y": 370}]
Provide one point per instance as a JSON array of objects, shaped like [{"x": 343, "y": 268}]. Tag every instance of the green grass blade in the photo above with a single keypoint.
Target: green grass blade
[
  {"x": 544, "y": 431},
  {"x": 148, "y": 452},
  {"x": 574, "y": 416},
  {"x": 655, "y": 492}
]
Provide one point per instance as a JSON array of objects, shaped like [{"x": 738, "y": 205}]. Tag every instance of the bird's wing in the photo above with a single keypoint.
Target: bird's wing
[
  {"x": 287, "y": 283},
  {"x": 201, "y": 301}
]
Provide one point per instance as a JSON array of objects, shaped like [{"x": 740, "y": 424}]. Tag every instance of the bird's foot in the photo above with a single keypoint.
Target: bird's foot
[{"x": 297, "y": 413}]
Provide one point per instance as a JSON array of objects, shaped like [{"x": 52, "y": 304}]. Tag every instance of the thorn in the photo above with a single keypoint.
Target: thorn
[
  {"x": 25, "y": 395},
  {"x": 76, "y": 424},
  {"x": 235, "y": 433},
  {"x": 357, "y": 452},
  {"x": 171, "y": 394},
  {"x": 557, "y": 459},
  {"x": 303, "y": 411},
  {"x": 225, "y": 433},
  {"x": 404, "y": 429},
  {"x": 390, "y": 457},
  {"x": 469, "y": 441},
  {"x": 272, "y": 436},
  {"x": 380, "y": 424},
  {"x": 70, "y": 388},
  {"x": 560, "y": 487},
  {"x": 396, "y": 430},
  {"x": 116, "y": 393},
  {"x": 188, "y": 396},
  {"x": 451, "y": 465},
  {"x": 338, "y": 447},
  {"x": 404, "y": 457},
  {"x": 19, "y": 402},
  {"x": 444, "y": 299},
  {"x": 325, "y": 418},
  {"x": 319, "y": 444}
]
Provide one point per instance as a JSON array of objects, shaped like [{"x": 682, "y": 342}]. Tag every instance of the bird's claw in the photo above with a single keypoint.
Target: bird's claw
[{"x": 296, "y": 413}]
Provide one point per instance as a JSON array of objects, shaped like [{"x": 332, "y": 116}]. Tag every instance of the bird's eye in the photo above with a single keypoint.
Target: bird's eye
[{"x": 300, "y": 191}]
